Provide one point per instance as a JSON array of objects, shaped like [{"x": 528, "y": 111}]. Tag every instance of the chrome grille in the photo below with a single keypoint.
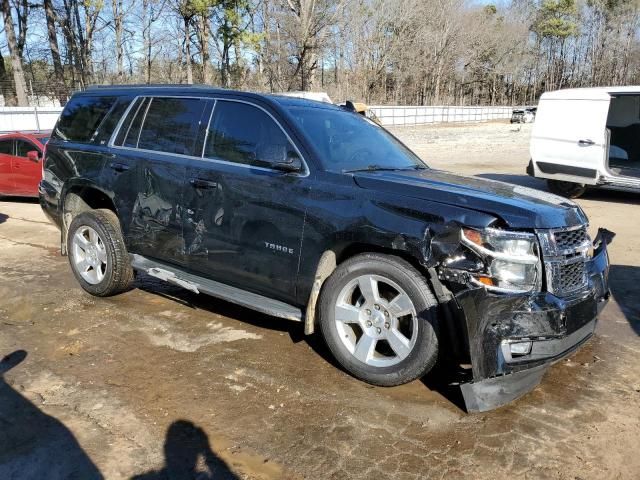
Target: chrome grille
[
  {"x": 565, "y": 252},
  {"x": 570, "y": 239},
  {"x": 568, "y": 278}
]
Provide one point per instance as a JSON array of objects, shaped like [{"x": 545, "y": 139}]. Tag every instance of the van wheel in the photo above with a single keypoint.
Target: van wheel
[
  {"x": 97, "y": 253},
  {"x": 566, "y": 189},
  {"x": 378, "y": 317}
]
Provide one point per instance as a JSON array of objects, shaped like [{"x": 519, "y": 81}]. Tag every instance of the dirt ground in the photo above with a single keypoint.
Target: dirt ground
[{"x": 160, "y": 383}]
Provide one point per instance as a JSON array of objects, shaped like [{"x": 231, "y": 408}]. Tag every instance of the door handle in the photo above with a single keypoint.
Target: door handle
[
  {"x": 586, "y": 143},
  {"x": 118, "y": 167},
  {"x": 202, "y": 184}
]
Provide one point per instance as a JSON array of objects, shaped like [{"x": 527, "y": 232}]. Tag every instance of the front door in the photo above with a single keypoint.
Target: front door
[
  {"x": 245, "y": 219},
  {"x": 26, "y": 173}
]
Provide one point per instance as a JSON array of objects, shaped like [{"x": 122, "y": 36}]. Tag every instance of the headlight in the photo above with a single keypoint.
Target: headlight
[{"x": 512, "y": 261}]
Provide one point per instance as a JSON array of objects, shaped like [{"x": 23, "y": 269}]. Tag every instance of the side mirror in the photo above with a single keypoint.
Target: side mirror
[
  {"x": 33, "y": 155},
  {"x": 290, "y": 164}
]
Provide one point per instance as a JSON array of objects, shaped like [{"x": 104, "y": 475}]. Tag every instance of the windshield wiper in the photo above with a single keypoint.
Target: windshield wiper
[{"x": 378, "y": 168}]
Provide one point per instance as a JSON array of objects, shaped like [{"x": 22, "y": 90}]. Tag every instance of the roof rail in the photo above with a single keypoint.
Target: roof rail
[{"x": 149, "y": 85}]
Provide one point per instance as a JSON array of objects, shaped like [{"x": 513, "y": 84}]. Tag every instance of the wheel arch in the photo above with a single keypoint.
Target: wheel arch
[
  {"x": 77, "y": 197},
  {"x": 331, "y": 258}
]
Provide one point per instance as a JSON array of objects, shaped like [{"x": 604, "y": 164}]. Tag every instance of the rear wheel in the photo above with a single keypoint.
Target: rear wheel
[
  {"x": 97, "y": 253},
  {"x": 566, "y": 189},
  {"x": 378, "y": 317}
]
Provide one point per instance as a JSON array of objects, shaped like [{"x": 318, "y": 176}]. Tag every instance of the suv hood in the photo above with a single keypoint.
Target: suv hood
[{"x": 519, "y": 207}]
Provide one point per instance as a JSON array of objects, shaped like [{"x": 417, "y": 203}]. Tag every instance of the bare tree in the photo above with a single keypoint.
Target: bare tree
[
  {"x": 14, "y": 52},
  {"x": 52, "y": 35}
]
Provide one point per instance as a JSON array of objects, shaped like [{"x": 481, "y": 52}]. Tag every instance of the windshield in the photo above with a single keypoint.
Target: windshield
[{"x": 349, "y": 142}]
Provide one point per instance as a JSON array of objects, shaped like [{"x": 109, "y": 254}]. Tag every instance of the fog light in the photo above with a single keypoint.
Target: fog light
[{"x": 520, "y": 348}]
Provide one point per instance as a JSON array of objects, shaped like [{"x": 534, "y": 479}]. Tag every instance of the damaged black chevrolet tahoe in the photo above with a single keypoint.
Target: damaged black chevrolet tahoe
[{"x": 310, "y": 212}]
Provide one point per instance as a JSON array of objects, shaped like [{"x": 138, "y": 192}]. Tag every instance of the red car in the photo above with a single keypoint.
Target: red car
[{"x": 21, "y": 163}]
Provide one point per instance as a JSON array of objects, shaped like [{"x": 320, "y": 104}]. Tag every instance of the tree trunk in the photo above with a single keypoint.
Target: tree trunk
[
  {"x": 187, "y": 50},
  {"x": 117, "y": 21},
  {"x": 58, "y": 71},
  {"x": 16, "y": 61},
  {"x": 6, "y": 85},
  {"x": 146, "y": 39},
  {"x": 22, "y": 9},
  {"x": 204, "y": 49}
]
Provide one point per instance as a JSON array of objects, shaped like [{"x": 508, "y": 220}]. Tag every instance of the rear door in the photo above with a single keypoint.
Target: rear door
[
  {"x": 7, "y": 185},
  {"x": 162, "y": 137},
  {"x": 244, "y": 222},
  {"x": 26, "y": 173},
  {"x": 568, "y": 141}
]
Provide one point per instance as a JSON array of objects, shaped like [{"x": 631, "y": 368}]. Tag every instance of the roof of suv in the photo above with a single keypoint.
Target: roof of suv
[{"x": 186, "y": 90}]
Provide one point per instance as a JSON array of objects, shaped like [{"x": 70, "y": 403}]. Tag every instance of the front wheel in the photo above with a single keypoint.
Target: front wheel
[
  {"x": 378, "y": 318},
  {"x": 566, "y": 189}
]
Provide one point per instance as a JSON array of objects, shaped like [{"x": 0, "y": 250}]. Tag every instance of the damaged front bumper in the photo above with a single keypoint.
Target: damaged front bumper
[{"x": 551, "y": 328}]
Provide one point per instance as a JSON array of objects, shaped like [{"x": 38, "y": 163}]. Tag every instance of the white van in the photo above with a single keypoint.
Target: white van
[{"x": 587, "y": 137}]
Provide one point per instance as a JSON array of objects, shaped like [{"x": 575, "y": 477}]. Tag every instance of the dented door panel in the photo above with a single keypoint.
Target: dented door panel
[
  {"x": 156, "y": 222},
  {"x": 244, "y": 225}
]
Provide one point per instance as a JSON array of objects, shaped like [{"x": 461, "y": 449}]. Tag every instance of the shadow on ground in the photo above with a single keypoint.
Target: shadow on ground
[
  {"x": 624, "y": 282},
  {"x": 188, "y": 456},
  {"x": 34, "y": 444}
]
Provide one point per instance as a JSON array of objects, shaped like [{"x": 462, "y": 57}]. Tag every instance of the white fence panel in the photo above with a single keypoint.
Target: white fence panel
[
  {"x": 395, "y": 115},
  {"x": 28, "y": 118}
]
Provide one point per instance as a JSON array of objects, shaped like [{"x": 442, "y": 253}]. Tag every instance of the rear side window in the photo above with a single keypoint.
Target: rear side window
[
  {"x": 6, "y": 147},
  {"x": 171, "y": 125},
  {"x": 130, "y": 130},
  {"x": 81, "y": 117},
  {"x": 106, "y": 128},
  {"x": 243, "y": 133}
]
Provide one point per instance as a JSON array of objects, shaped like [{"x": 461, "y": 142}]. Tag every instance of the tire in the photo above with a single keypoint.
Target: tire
[
  {"x": 566, "y": 189},
  {"x": 348, "y": 317},
  {"x": 97, "y": 253}
]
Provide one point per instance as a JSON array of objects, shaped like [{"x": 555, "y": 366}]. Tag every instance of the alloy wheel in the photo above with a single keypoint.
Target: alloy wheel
[
  {"x": 89, "y": 255},
  {"x": 376, "y": 320}
]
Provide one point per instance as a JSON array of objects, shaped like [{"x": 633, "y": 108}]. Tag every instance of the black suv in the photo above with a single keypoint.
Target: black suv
[{"x": 310, "y": 212}]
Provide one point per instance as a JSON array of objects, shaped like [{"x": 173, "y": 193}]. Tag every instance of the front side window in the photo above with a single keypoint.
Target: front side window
[
  {"x": 243, "y": 133},
  {"x": 81, "y": 117},
  {"x": 22, "y": 147},
  {"x": 171, "y": 125},
  {"x": 6, "y": 147},
  {"x": 347, "y": 141}
]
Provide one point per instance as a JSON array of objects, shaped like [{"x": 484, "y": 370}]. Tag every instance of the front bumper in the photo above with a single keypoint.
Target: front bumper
[{"x": 555, "y": 326}]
